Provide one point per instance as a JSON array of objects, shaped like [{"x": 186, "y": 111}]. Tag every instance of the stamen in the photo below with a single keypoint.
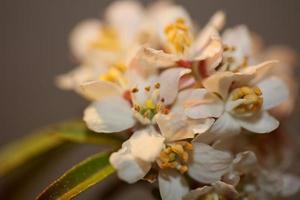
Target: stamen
[
  {"x": 134, "y": 90},
  {"x": 151, "y": 105},
  {"x": 178, "y": 35},
  {"x": 108, "y": 40},
  {"x": 157, "y": 85},
  {"x": 147, "y": 88},
  {"x": 252, "y": 100},
  {"x": 175, "y": 156},
  {"x": 115, "y": 74}
]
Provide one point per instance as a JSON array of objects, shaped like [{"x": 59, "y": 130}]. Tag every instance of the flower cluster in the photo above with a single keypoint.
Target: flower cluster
[{"x": 194, "y": 101}]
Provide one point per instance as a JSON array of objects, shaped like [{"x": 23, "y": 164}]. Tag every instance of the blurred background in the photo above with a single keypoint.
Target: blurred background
[{"x": 34, "y": 49}]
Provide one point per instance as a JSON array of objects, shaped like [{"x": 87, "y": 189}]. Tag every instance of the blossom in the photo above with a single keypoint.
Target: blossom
[
  {"x": 105, "y": 48},
  {"x": 181, "y": 46},
  {"x": 115, "y": 109},
  {"x": 173, "y": 156},
  {"x": 133, "y": 161},
  {"x": 238, "y": 100}
]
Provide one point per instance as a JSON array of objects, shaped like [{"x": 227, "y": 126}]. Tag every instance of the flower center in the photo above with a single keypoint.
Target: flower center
[
  {"x": 151, "y": 103},
  {"x": 178, "y": 35},
  {"x": 213, "y": 196},
  {"x": 108, "y": 40},
  {"x": 250, "y": 98},
  {"x": 115, "y": 74},
  {"x": 175, "y": 156}
]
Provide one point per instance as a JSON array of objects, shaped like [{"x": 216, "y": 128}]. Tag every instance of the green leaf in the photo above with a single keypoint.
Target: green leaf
[
  {"x": 79, "y": 178},
  {"x": 16, "y": 153}
]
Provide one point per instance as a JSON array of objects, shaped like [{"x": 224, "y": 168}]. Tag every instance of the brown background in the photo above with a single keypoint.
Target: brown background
[{"x": 33, "y": 50}]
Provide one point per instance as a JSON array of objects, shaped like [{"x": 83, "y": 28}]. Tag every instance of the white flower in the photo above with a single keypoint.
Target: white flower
[
  {"x": 115, "y": 109},
  {"x": 238, "y": 100},
  {"x": 173, "y": 157},
  {"x": 180, "y": 46},
  {"x": 105, "y": 48}
]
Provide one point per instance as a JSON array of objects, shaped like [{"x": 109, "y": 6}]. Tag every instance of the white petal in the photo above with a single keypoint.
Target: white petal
[
  {"x": 215, "y": 24},
  {"x": 224, "y": 126},
  {"x": 83, "y": 35},
  {"x": 172, "y": 185},
  {"x": 97, "y": 90},
  {"x": 203, "y": 104},
  {"x": 260, "y": 123},
  {"x": 129, "y": 168},
  {"x": 126, "y": 17},
  {"x": 220, "y": 82},
  {"x": 169, "y": 83},
  {"x": 182, "y": 97},
  {"x": 74, "y": 78},
  {"x": 208, "y": 165},
  {"x": 259, "y": 71},
  {"x": 218, "y": 20},
  {"x": 176, "y": 126},
  {"x": 146, "y": 144},
  {"x": 274, "y": 92},
  {"x": 155, "y": 58},
  {"x": 111, "y": 114}
]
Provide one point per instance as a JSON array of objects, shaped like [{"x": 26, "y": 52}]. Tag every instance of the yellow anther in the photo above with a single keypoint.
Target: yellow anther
[
  {"x": 178, "y": 35},
  {"x": 183, "y": 169},
  {"x": 175, "y": 156},
  {"x": 157, "y": 85},
  {"x": 213, "y": 196},
  {"x": 252, "y": 99},
  {"x": 148, "y": 88},
  {"x": 120, "y": 66},
  {"x": 115, "y": 74},
  {"x": 112, "y": 75},
  {"x": 108, "y": 40},
  {"x": 149, "y": 104}
]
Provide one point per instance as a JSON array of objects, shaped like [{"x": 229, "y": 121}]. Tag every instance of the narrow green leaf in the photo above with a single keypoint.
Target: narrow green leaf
[
  {"x": 15, "y": 154},
  {"x": 79, "y": 178}
]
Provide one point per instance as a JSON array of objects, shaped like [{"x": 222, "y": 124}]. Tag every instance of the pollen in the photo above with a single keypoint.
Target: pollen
[
  {"x": 252, "y": 99},
  {"x": 108, "y": 40},
  {"x": 178, "y": 36},
  {"x": 213, "y": 196},
  {"x": 175, "y": 156},
  {"x": 115, "y": 74}
]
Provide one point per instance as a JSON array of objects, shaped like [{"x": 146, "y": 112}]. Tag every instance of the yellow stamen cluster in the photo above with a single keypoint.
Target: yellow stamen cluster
[
  {"x": 178, "y": 35},
  {"x": 108, "y": 40},
  {"x": 252, "y": 97},
  {"x": 213, "y": 196},
  {"x": 115, "y": 74},
  {"x": 175, "y": 156},
  {"x": 152, "y": 104}
]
